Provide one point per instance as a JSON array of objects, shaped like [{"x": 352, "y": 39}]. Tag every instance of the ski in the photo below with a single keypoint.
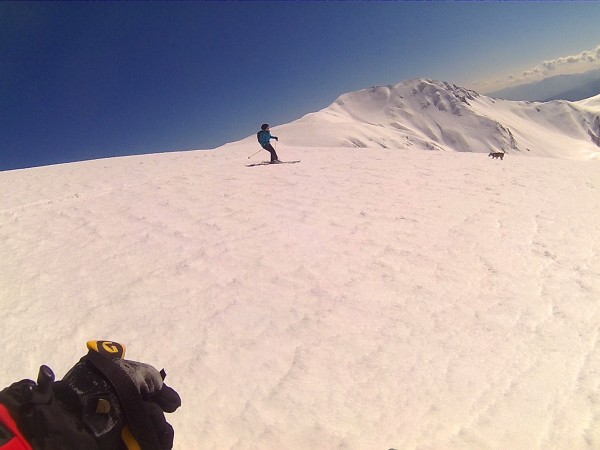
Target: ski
[{"x": 269, "y": 163}]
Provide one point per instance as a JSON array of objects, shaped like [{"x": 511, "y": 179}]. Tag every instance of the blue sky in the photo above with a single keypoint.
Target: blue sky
[{"x": 86, "y": 80}]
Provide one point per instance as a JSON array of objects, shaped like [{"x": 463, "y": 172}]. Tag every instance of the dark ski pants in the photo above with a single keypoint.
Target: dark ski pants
[{"x": 271, "y": 150}]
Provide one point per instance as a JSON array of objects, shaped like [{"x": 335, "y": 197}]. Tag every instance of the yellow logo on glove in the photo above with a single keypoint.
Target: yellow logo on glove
[{"x": 110, "y": 349}]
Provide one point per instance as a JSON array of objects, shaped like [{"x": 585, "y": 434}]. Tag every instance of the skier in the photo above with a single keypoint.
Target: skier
[
  {"x": 104, "y": 402},
  {"x": 264, "y": 137}
]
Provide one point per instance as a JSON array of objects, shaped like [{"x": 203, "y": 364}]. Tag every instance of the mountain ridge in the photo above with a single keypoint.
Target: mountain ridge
[
  {"x": 437, "y": 115},
  {"x": 581, "y": 92},
  {"x": 572, "y": 87}
]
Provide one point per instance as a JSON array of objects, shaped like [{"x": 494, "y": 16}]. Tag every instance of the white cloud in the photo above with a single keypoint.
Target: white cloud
[
  {"x": 581, "y": 62},
  {"x": 587, "y": 56}
]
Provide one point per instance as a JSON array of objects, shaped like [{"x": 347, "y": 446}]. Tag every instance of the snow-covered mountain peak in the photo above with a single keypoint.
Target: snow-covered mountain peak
[
  {"x": 436, "y": 115},
  {"x": 426, "y": 87},
  {"x": 414, "y": 93}
]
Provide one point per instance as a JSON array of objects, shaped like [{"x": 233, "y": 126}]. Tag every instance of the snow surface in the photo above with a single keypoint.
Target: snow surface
[{"x": 365, "y": 298}]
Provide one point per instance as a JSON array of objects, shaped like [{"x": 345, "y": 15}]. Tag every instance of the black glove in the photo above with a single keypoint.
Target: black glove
[
  {"x": 157, "y": 397},
  {"x": 102, "y": 403},
  {"x": 42, "y": 420}
]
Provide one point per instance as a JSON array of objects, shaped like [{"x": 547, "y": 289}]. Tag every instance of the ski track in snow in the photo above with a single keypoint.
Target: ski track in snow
[{"x": 359, "y": 299}]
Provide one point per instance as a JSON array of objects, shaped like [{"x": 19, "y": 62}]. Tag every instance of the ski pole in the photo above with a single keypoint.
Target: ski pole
[{"x": 254, "y": 154}]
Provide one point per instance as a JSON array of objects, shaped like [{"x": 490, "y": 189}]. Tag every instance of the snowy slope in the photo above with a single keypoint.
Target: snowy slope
[
  {"x": 439, "y": 116},
  {"x": 358, "y": 300},
  {"x": 593, "y": 103}
]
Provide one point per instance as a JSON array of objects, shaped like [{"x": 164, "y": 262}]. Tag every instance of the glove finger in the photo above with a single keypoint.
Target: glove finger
[
  {"x": 164, "y": 430},
  {"x": 147, "y": 379},
  {"x": 167, "y": 398}
]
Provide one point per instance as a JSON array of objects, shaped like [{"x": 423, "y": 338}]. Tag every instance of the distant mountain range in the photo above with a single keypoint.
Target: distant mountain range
[
  {"x": 561, "y": 87},
  {"x": 434, "y": 115}
]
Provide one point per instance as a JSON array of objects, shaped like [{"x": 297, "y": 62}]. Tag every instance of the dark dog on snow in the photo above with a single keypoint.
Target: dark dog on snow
[{"x": 497, "y": 155}]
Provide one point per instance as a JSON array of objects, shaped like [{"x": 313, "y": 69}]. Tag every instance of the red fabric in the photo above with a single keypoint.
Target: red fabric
[{"x": 18, "y": 442}]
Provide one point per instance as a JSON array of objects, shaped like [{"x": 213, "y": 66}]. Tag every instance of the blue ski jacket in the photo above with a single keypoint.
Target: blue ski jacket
[{"x": 265, "y": 138}]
